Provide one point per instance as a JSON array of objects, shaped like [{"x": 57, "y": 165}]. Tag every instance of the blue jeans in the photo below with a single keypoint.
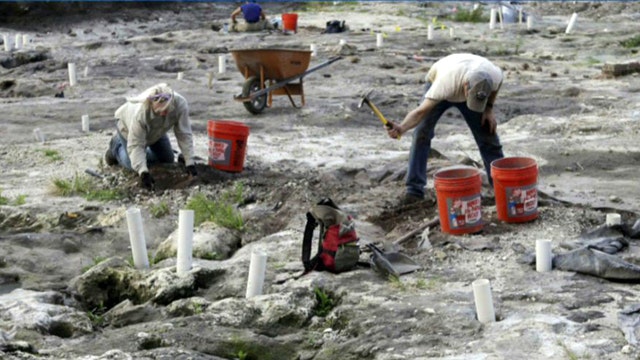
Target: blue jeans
[
  {"x": 158, "y": 152},
  {"x": 488, "y": 144}
]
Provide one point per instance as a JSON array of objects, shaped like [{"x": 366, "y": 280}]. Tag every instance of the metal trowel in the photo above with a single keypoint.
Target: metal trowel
[{"x": 391, "y": 262}]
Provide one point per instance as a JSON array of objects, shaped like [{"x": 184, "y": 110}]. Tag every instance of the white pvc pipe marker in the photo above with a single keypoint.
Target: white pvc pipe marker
[
  {"x": 379, "y": 40},
  {"x": 85, "y": 123},
  {"x": 430, "y": 32},
  {"x": 314, "y": 49},
  {"x": 7, "y": 42},
  {"x": 222, "y": 64},
  {"x": 136, "y": 237},
  {"x": 73, "y": 79},
  {"x": 572, "y": 23},
  {"x": 185, "y": 241},
  {"x": 492, "y": 19},
  {"x": 543, "y": 255},
  {"x": 613, "y": 219},
  {"x": 484, "y": 301},
  {"x": 257, "y": 269}
]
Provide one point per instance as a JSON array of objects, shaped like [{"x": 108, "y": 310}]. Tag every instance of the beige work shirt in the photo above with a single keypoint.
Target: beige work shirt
[{"x": 141, "y": 128}]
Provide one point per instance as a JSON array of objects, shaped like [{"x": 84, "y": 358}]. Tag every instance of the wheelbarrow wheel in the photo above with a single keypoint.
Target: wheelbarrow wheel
[{"x": 258, "y": 104}]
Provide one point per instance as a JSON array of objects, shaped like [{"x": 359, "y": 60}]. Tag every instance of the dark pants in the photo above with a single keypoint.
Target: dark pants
[
  {"x": 158, "y": 152},
  {"x": 488, "y": 144}
]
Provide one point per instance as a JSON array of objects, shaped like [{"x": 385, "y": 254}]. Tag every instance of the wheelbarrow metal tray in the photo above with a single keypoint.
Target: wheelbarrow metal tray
[{"x": 277, "y": 64}]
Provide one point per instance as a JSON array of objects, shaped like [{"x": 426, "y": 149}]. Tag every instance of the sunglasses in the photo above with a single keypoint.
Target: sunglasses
[{"x": 160, "y": 98}]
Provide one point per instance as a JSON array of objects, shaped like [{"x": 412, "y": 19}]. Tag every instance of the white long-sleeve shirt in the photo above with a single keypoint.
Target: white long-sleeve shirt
[{"x": 141, "y": 128}]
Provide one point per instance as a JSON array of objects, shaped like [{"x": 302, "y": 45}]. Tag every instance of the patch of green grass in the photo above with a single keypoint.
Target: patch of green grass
[
  {"x": 210, "y": 255},
  {"x": 324, "y": 303},
  {"x": 159, "y": 210},
  {"x": 85, "y": 187},
  {"x": 220, "y": 211},
  {"x": 96, "y": 260},
  {"x": 631, "y": 42},
  {"x": 20, "y": 200},
  {"x": 96, "y": 315},
  {"x": 3, "y": 200},
  {"x": 52, "y": 155},
  {"x": 472, "y": 16}
]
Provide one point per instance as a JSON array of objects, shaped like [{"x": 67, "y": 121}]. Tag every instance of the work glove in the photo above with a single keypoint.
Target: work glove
[
  {"x": 147, "y": 181},
  {"x": 191, "y": 170}
]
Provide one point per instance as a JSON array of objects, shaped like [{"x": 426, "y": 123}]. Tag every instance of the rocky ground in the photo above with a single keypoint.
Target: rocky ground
[{"x": 68, "y": 289}]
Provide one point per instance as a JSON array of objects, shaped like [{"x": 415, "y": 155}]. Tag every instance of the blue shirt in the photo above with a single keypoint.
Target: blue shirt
[{"x": 251, "y": 12}]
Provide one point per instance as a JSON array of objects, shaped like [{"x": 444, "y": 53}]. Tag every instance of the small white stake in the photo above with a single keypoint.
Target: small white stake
[
  {"x": 543, "y": 255},
  {"x": 222, "y": 64},
  {"x": 484, "y": 301},
  {"x": 73, "y": 80},
  {"x": 572, "y": 23},
  {"x": 85, "y": 123},
  {"x": 136, "y": 237},
  {"x": 185, "y": 241},
  {"x": 257, "y": 269}
]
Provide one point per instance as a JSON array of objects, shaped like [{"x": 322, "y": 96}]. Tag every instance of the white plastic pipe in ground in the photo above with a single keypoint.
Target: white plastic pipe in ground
[
  {"x": 484, "y": 301},
  {"x": 73, "y": 79},
  {"x": 222, "y": 64},
  {"x": 613, "y": 219},
  {"x": 379, "y": 40},
  {"x": 7, "y": 42},
  {"x": 180, "y": 75},
  {"x": 314, "y": 49},
  {"x": 136, "y": 237},
  {"x": 451, "y": 33},
  {"x": 529, "y": 22},
  {"x": 26, "y": 39},
  {"x": 572, "y": 23},
  {"x": 38, "y": 135},
  {"x": 257, "y": 269},
  {"x": 492, "y": 19},
  {"x": 185, "y": 241},
  {"x": 430, "y": 32},
  {"x": 543, "y": 255},
  {"x": 86, "y": 72},
  {"x": 18, "y": 42},
  {"x": 85, "y": 123}
]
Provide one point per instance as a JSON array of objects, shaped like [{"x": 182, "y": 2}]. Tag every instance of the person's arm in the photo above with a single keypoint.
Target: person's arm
[
  {"x": 412, "y": 119},
  {"x": 137, "y": 144},
  {"x": 184, "y": 135},
  {"x": 235, "y": 13},
  {"x": 488, "y": 116}
]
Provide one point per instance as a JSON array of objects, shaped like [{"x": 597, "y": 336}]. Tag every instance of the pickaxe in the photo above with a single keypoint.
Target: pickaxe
[{"x": 365, "y": 100}]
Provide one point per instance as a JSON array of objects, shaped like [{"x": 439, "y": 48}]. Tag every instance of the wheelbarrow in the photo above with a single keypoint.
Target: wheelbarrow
[{"x": 270, "y": 72}]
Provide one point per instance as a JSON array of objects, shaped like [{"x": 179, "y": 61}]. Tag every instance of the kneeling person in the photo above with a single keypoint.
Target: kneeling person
[{"x": 141, "y": 139}]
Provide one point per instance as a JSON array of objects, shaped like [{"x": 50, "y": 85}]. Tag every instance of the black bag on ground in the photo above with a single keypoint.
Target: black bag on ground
[
  {"x": 338, "y": 248},
  {"x": 334, "y": 27}
]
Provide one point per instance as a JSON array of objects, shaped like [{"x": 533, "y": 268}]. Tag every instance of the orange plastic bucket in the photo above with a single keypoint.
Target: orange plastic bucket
[
  {"x": 515, "y": 181},
  {"x": 290, "y": 22},
  {"x": 227, "y": 144},
  {"x": 459, "y": 200}
]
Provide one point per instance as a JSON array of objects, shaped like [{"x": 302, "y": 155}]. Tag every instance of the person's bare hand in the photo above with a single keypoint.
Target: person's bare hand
[
  {"x": 488, "y": 119},
  {"x": 393, "y": 130}
]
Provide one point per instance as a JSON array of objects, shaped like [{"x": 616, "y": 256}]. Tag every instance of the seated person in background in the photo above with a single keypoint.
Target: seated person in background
[{"x": 254, "y": 17}]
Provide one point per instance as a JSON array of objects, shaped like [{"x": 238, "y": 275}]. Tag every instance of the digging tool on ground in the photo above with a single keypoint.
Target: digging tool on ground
[{"x": 365, "y": 100}]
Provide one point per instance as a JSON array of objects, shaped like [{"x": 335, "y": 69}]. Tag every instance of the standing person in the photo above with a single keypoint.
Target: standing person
[
  {"x": 254, "y": 17},
  {"x": 465, "y": 81},
  {"x": 141, "y": 139}
]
